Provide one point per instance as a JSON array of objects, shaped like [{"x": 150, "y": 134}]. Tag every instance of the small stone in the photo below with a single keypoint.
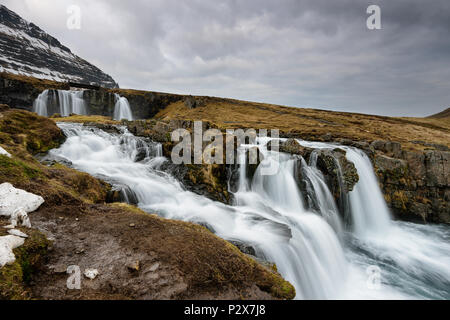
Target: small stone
[
  {"x": 76, "y": 219},
  {"x": 134, "y": 266},
  {"x": 154, "y": 267},
  {"x": 59, "y": 269},
  {"x": 80, "y": 251},
  {"x": 91, "y": 273},
  {"x": 132, "y": 225}
]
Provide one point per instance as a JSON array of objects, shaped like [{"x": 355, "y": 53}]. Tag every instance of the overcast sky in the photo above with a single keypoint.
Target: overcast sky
[{"x": 305, "y": 53}]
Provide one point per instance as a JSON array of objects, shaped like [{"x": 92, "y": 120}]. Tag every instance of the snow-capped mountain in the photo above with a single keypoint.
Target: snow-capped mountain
[{"x": 28, "y": 50}]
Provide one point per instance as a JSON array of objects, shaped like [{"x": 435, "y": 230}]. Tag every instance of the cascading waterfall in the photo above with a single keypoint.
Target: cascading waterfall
[
  {"x": 67, "y": 102},
  {"x": 270, "y": 214},
  {"x": 369, "y": 211},
  {"x": 40, "y": 104},
  {"x": 122, "y": 109}
]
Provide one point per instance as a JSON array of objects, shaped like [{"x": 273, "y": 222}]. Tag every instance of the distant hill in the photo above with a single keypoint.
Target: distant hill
[
  {"x": 441, "y": 115},
  {"x": 25, "y": 49}
]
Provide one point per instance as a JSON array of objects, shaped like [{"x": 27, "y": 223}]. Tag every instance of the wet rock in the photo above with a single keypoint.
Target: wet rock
[
  {"x": 291, "y": 146},
  {"x": 253, "y": 160},
  {"x": 104, "y": 127},
  {"x": 121, "y": 193},
  {"x": 244, "y": 248},
  {"x": 340, "y": 173}
]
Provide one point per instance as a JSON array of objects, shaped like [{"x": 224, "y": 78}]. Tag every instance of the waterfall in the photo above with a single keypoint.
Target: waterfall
[
  {"x": 270, "y": 214},
  {"x": 370, "y": 214},
  {"x": 40, "y": 104},
  {"x": 122, "y": 109},
  {"x": 64, "y": 102},
  {"x": 319, "y": 195}
]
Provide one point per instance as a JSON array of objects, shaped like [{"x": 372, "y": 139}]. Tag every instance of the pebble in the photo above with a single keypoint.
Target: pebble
[{"x": 91, "y": 273}]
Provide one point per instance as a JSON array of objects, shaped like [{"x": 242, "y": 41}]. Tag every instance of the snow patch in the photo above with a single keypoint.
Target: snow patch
[
  {"x": 17, "y": 203},
  {"x": 7, "y": 245},
  {"x": 3, "y": 152},
  {"x": 18, "y": 233}
]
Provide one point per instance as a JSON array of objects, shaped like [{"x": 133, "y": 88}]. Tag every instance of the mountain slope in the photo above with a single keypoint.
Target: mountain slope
[
  {"x": 441, "y": 115},
  {"x": 28, "y": 50}
]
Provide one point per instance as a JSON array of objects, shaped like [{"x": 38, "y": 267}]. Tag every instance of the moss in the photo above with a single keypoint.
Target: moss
[
  {"x": 15, "y": 278},
  {"x": 37, "y": 134},
  {"x": 14, "y": 170}
]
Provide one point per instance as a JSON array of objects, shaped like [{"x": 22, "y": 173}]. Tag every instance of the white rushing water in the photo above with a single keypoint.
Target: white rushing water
[
  {"x": 309, "y": 246},
  {"x": 66, "y": 101},
  {"x": 122, "y": 109}
]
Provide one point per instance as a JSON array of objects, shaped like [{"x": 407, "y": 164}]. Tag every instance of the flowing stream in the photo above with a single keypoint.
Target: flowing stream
[{"x": 306, "y": 239}]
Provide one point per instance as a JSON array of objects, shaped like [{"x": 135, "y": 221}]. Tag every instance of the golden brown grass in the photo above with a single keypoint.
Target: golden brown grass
[
  {"x": 86, "y": 119},
  {"x": 312, "y": 123}
]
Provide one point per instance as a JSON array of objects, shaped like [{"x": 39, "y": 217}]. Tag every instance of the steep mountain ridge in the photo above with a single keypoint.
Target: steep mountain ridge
[{"x": 26, "y": 49}]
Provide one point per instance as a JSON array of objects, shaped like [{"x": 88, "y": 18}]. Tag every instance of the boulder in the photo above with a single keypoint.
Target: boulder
[
  {"x": 291, "y": 146},
  {"x": 340, "y": 173}
]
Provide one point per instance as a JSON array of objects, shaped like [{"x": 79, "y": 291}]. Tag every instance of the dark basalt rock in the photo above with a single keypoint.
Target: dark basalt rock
[
  {"x": 416, "y": 185},
  {"x": 340, "y": 173},
  {"x": 291, "y": 146}
]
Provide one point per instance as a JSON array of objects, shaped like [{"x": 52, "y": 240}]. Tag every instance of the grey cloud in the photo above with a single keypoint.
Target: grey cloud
[{"x": 306, "y": 53}]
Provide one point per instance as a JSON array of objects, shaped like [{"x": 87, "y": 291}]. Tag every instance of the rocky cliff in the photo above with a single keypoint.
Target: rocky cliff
[
  {"x": 26, "y": 49},
  {"x": 416, "y": 185},
  {"x": 21, "y": 91}
]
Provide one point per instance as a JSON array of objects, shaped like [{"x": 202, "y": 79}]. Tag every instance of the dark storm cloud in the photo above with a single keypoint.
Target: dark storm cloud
[{"x": 311, "y": 53}]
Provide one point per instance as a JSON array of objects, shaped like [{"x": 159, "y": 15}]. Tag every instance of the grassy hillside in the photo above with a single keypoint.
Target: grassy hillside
[{"x": 313, "y": 124}]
